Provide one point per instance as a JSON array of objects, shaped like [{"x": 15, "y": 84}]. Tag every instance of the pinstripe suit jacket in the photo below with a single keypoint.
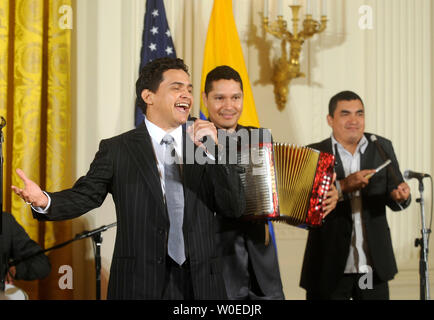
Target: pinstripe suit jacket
[{"x": 125, "y": 166}]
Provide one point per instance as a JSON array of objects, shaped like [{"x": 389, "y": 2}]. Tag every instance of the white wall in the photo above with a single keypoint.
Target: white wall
[{"x": 390, "y": 66}]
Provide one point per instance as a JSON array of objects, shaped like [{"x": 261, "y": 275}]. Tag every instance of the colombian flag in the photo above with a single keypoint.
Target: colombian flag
[{"x": 223, "y": 47}]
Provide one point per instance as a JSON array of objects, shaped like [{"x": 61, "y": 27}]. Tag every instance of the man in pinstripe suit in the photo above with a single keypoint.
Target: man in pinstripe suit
[{"x": 128, "y": 166}]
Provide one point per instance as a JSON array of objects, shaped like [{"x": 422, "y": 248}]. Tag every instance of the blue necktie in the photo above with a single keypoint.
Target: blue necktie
[{"x": 174, "y": 192}]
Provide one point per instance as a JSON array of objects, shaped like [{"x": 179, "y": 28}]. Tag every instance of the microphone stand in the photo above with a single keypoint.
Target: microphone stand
[
  {"x": 423, "y": 243},
  {"x": 97, "y": 241}
]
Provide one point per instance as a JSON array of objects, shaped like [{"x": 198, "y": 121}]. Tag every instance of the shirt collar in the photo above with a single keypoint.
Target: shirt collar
[
  {"x": 361, "y": 146},
  {"x": 158, "y": 134}
]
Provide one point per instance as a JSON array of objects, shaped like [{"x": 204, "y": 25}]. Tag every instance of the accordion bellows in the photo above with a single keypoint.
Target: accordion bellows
[{"x": 286, "y": 183}]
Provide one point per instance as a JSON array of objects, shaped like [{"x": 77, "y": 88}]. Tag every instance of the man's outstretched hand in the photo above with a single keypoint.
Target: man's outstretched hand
[{"x": 31, "y": 193}]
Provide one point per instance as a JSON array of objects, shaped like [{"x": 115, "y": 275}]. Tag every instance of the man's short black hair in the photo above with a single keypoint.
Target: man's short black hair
[
  {"x": 151, "y": 76},
  {"x": 342, "y": 96},
  {"x": 221, "y": 73}
]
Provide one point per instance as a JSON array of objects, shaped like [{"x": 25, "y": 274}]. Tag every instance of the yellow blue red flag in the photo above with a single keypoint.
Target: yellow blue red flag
[{"x": 223, "y": 47}]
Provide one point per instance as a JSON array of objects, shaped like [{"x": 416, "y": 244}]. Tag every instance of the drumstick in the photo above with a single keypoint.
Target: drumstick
[{"x": 384, "y": 165}]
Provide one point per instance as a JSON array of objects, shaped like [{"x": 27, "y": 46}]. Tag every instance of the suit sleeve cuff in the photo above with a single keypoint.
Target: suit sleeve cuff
[
  {"x": 43, "y": 210},
  {"x": 404, "y": 204}
]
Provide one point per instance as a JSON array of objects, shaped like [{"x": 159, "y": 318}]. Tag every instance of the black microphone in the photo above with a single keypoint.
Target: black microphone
[{"x": 408, "y": 174}]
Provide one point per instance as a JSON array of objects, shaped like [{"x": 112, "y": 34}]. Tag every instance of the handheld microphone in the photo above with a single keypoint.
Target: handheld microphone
[{"x": 408, "y": 174}]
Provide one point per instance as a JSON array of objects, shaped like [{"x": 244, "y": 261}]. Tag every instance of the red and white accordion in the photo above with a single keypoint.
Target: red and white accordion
[{"x": 285, "y": 183}]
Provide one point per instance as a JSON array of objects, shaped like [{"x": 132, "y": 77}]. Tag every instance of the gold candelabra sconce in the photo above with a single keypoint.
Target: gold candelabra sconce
[{"x": 287, "y": 69}]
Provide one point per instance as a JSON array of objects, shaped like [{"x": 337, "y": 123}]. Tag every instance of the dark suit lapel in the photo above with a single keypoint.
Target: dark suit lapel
[
  {"x": 367, "y": 160},
  {"x": 139, "y": 145},
  {"x": 339, "y": 168}
]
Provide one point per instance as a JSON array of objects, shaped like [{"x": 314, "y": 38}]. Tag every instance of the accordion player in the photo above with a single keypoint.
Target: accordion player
[{"x": 282, "y": 182}]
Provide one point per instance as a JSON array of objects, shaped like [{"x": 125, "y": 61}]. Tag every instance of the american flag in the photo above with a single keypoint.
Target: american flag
[{"x": 156, "y": 40}]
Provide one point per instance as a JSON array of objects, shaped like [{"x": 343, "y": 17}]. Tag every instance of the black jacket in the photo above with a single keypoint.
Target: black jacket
[{"x": 15, "y": 245}]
